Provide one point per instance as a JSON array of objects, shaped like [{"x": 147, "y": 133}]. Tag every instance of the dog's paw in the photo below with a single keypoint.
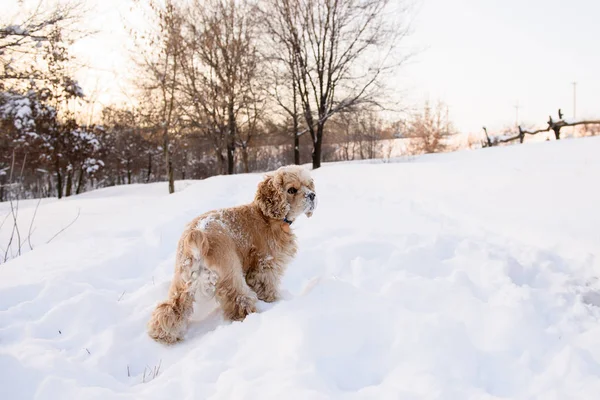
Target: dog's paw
[
  {"x": 269, "y": 296},
  {"x": 241, "y": 307}
]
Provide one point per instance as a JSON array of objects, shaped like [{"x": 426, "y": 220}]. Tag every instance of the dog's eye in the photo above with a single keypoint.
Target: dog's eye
[{"x": 292, "y": 190}]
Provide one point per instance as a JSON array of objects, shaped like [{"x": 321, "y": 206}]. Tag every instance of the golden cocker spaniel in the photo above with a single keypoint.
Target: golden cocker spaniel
[{"x": 237, "y": 254}]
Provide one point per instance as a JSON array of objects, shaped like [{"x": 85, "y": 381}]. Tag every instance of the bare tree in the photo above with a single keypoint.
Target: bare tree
[
  {"x": 284, "y": 83},
  {"x": 222, "y": 65},
  {"x": 161, "y": 60},
  {"x": 342, "y": 49},
  {"x": 249, "y": 124},
  {"x": 203, "y": 104},
  {"x": 357, "y": 133},
  {"x": 27, "y": 32},
  {"x": 430, "y": 128}
]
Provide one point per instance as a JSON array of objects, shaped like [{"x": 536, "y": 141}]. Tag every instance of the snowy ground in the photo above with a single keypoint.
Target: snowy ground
[{"x": 470, "y": 275}]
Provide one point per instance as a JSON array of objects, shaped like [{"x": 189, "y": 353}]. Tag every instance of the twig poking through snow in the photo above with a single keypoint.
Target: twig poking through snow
[
  {"x": 4, "y": 220},
  {"x": 157, "y": 369},
  {"x": 88, "y": 351},
  {"x": 15, "y": 213},
  {"x": 63, "y": 229},
  {"x": 153, "y": 372},
  {"x": 31, "y": 224},
  {"x": 121, "y": 296},
  {"x": 9, "y": 244}
]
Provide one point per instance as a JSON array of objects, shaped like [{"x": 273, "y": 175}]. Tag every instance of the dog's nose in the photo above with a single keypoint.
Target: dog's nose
[{"x": 311, "y": 196}]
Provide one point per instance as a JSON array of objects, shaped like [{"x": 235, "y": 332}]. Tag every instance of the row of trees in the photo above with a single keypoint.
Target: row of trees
[
  {"x": 222, "y": 87},
  {"x": 228, "y": 69},
  {"x": 39, "y": 132}
]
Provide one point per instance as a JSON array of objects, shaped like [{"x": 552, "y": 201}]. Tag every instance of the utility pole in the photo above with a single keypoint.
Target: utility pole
[
  {"x": 573, "y": 130},
  {"x": 574, "y": 99},
  {"x": 517, "y": 115}
]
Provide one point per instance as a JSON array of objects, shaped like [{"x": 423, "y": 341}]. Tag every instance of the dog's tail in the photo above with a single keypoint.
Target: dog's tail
[
  {"x": 195, "y": 245},
  {"x": 169, "y": 319}
]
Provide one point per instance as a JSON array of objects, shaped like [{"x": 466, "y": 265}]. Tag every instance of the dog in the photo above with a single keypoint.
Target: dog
[{"x": 237, "y": 254}]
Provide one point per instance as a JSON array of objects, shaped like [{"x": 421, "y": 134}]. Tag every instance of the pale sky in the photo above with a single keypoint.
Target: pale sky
[{"x": 482, "y": 57}]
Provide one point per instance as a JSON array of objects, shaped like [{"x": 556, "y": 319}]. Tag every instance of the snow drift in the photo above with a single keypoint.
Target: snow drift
[{"x": 470, "y": 275}]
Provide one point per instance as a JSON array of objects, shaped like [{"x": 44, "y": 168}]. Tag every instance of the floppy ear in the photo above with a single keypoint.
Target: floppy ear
[{"x": 271, "y": 198}]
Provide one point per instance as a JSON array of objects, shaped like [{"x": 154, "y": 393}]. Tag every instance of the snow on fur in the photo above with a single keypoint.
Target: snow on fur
[{"x": 455, "y": 276}]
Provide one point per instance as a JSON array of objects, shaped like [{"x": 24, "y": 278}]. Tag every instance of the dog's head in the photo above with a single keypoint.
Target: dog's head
[{"x": 287, "y": 193}]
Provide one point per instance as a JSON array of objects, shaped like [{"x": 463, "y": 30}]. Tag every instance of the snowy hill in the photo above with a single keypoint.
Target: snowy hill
[{"x": 471, "y": 275}]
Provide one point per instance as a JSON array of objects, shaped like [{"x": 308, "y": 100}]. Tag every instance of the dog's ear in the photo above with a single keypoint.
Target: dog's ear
[{"x": 270, "y": 197}]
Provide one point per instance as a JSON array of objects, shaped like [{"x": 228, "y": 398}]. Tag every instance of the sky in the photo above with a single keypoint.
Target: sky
[
  {"x": 484, "y": 57},
  {"x": 481, "y": 57}
]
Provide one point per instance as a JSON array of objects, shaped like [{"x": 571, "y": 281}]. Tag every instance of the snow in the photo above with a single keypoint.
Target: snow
[
  {"x": 15, "y": 30},
  {"x": 19, "y": 108},
  {"x": 468, "y": 275},
  {"x": 73, "y": 88},
  {"x": 203, "y": 223},
  {"x": 92, "y": 165}
]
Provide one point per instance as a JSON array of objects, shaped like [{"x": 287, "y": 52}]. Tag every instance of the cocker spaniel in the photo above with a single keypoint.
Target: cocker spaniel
[{"x": 237, "y": 254}]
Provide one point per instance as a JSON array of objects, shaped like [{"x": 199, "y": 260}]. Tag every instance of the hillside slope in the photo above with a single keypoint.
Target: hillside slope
[{"x": 455, "y": 276}]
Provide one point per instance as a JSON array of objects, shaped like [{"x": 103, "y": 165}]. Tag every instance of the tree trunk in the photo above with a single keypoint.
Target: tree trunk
[
  {"x": 316, "y": 155},
  {"x": 230, "y": 138},
  {"x": 221, "y": 161},
  {"x": 149, "y": 167},
  {"x": 168, "y": 116},
  {"x": 556, "y": 130},
  {"x": 230, "y": 159},
  {"x": 59, "y": 187},
  {"x": 184, "y": 164},
  {"x": 128, "y": 171},
  {"x": 69, "y": 183},
  {"x": 168, "y": 162},
  {"x": 171, "y": 178},
  {"x": 295, "y": 123},
  {"x": 79, "y": 181},
  {"x": 245, "y": 158},
  {"x": 296, "y": 147}
]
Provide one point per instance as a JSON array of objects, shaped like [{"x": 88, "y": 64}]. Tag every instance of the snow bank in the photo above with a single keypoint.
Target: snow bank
[{"x": 454, "y": 276}]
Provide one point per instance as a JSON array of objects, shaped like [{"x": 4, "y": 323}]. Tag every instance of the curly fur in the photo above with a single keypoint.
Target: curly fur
[
  {"x": 271, "y": 198},
  {"x": 237, "y": 254}
]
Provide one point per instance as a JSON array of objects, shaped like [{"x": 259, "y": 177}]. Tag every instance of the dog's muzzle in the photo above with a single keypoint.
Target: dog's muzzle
[{"x": 311, "y": 203}]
